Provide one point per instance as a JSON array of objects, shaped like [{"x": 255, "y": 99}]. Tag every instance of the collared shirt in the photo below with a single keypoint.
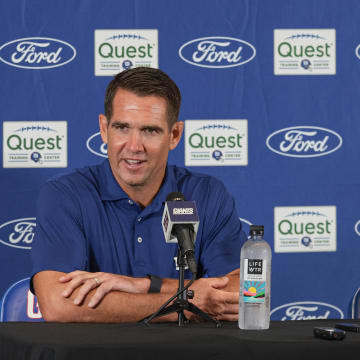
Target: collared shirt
[{"x": 85, "y": 221}]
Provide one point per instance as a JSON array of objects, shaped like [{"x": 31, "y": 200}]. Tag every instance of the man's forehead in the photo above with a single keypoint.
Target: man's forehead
[
  {"x": 130, "y": 101},
  {"x": 154, "y": 108}
]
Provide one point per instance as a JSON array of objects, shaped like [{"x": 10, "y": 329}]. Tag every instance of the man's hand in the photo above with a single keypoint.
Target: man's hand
[
  {"x": 104, "y": 282},
  {"x": 211, "y": 297}
]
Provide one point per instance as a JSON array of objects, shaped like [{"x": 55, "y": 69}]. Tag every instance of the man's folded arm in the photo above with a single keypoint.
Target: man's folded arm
[
  {"x": 116, "y": 306},
  {"x": 59, "y": 299}
]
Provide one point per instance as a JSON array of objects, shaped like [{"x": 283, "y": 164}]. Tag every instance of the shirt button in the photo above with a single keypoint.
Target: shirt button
[
  {"x": 139, "y": 219},
  {"x": 131, "y": 202},
  {"x": 139, "y": 239}
]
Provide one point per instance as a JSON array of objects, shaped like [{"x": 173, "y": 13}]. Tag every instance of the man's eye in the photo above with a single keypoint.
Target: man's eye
[
  {"x": 120, "y": 127},
  {"x": 151, "y": 131}
]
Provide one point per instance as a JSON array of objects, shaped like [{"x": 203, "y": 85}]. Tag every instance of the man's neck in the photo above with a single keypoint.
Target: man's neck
[{"x": 143, "y": 194}]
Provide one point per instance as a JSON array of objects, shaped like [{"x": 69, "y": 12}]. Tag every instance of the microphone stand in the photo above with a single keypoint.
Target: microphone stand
[{"x": 182, "y": 303}]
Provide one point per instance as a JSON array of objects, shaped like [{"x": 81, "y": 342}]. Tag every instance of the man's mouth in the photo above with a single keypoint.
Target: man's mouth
[{"x": 134, "y": 163}]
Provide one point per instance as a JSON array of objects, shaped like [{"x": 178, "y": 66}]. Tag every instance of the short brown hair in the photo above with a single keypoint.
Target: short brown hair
[{"x": 145, "y": 81}]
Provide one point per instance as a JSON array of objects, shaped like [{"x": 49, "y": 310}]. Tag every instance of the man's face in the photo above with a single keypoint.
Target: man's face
[{"x": 138, "y": 140}]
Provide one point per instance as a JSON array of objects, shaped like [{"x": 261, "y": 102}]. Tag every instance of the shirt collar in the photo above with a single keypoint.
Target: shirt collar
[
  {"x": 109, "y": 187},
  {"x": 111, "y": 190}
]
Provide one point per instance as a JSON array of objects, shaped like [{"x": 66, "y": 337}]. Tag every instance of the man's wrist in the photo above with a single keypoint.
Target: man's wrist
[{"x": 155, "y": 284}]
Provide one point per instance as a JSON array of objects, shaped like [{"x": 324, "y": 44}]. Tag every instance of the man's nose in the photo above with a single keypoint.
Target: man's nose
[{"x": 134, "y": 142}]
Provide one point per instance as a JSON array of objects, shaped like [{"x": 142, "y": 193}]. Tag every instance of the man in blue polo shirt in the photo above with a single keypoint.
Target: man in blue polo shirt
[{"x": 99, "y": 234}]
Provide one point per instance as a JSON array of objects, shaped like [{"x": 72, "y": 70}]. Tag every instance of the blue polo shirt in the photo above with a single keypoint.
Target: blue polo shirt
[{"x": 85, "y": 221}]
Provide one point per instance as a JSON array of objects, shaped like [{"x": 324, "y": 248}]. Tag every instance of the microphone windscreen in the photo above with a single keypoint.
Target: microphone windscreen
[{"x": 175, "y": 196}]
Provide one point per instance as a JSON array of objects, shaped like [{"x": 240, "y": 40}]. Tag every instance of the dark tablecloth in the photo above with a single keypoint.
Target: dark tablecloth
[{"x": 284, "y": 340}]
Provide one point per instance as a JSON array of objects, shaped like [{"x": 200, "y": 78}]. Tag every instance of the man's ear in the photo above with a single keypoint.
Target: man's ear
[
  {"x": 175, "y": 134},
  {"x": 103, "y": 125}
]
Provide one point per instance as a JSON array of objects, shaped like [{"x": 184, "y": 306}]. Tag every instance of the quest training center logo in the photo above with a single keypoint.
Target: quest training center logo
[
  {"x": 217, "y": 52},
  {"x": 304, "y": 52},
  {"x": 119, "y": 50},
  {"x": 37, "y": 53},
  {"x": 216, "y": 142},
  {"x": 304, "y": 229},
  {"x": 34, "y": 144},
  {"x": 306, "y": 310},
  {"x": 18, "y": 233},
  {"x": 304, "y": 141}
]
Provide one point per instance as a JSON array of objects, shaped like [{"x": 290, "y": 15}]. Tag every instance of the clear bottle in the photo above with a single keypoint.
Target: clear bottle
[{"x": 255, "y": 277}]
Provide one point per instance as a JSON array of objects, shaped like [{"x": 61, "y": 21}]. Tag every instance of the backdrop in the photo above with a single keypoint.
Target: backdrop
[{"x": 270, "y": 103}]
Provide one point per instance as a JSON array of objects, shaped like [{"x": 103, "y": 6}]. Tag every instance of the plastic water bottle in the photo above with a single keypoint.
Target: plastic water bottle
[{"x": 255, "y": 276}]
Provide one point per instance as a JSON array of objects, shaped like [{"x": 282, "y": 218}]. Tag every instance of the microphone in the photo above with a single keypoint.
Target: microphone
[{"x": 180, "y": 223}]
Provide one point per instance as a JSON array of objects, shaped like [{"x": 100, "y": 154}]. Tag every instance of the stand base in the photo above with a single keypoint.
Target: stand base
[{"x": 179, "y": 306}]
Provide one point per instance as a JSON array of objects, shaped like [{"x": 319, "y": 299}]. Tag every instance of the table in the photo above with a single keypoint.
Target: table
[{"x": 58, "y": 341}]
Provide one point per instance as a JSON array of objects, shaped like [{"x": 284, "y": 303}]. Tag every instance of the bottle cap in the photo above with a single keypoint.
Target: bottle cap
[{"x": 256, "y": 230}]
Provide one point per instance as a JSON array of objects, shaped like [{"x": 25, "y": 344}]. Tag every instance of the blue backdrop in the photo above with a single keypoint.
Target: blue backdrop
[{"x": 270, "y": 103}]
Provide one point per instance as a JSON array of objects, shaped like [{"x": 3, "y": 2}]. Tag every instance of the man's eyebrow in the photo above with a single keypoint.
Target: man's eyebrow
[
  {"x": 152, "y": 127},
  {"x": 118, "y": 122}
]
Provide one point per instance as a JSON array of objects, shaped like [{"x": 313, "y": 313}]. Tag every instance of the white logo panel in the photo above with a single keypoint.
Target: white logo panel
[
  {"x": 34, "y": 144},
  {"x": 305, "y": 229},
  {"x": 304, "y": 52},
  {"x": 216, "y": 142},
  {"x": 119, "y": 50}
]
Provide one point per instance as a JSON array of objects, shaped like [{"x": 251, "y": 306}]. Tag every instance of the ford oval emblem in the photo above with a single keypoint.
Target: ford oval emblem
[
  {"x": 357, "y": 227},
  {"x": 96, "y": 146},
  {"x": 18, "y": 233},
  {"x": 37, "y": 53},
  {"x": 306, "y": 310},
  {"x": 357, "y": 51},
  {"x": 217, "y": 52},
  {"x": 304, "y": 141}
]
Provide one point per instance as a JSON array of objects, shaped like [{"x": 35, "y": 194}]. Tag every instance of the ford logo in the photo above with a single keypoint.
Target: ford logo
[
  {"x": 306, "y": 310},
  {"x": 96, "y": 146},
  {"x": 37, "y": 53},
  {"x": 357, "y": 227},
  {"x": 357, "y": 51},
  {"x": 217, "y": 52},
  {"x": 18, "y": 233},
  {"x": 304, "y": 141}
]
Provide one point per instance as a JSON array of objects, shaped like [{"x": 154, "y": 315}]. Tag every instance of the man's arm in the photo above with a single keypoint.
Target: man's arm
[
  {"x": 127, "y": 300},
  {"x": 116, "y": 306}
]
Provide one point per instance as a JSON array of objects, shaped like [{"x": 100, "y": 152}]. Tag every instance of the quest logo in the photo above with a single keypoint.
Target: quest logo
[
  {"x": 304, "y": 141},
  {"x": 304, "y": 229},
  {"x": 37, "y": 53},
  {"x": 34, "y": 144},
  {"x": 306, "y": 310},
  {"x": 18, "y": 233},
  {"x": 304, "y": 52},
  {"x": 96, "y": 146},
  {"x": 217, "y": 52},
  {"x": 122, "y": 49},
  {"x": 216, "y": 142}
]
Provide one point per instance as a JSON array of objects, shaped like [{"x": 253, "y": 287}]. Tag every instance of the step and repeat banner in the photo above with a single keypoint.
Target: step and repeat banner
[{"x": 271, "y": 107}]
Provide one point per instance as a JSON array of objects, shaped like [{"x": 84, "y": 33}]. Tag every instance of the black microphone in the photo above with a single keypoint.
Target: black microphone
[{"x": 179, "y": 219}]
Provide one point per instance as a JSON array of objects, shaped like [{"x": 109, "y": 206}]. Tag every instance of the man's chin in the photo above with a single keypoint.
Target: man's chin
[{"x": 136, "y": 184}]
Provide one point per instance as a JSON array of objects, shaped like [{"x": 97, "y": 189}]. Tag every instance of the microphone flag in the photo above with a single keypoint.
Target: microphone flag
[{"x": 179, "y": 212}]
